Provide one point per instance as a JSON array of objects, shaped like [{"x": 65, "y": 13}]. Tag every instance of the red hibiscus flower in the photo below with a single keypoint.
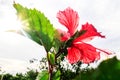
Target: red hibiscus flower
[
  {"x": 82, "y": 51},
  {"x": 79, "y": 50}
]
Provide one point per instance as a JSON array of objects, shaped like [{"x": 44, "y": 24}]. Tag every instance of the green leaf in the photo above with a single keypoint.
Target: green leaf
[
  {"x": 36, "y": 25},
  {"x": 51, "y": 57},
  {"x": 44, "y": 75},
  {"x": 57, "y": 75},
  {"x": 57, "y": 42},
  {"x": 107, "y": 70}
]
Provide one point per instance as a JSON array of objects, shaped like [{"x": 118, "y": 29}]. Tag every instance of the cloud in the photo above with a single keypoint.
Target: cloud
[
  {"x": 11, "y": 65},
  {"x": 14, "y": 66},
  {"x": 19, "y": 47}
]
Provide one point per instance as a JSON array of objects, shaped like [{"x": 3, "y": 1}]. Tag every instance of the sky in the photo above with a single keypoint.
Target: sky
[{"x": 103, "y": 14}]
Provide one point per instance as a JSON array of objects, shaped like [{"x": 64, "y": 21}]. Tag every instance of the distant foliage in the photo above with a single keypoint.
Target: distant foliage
[
  {"x": 107, "y": 70},
  {"x": 30, "y": 75}
]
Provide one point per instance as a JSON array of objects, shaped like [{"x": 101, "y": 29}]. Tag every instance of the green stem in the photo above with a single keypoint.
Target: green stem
[{"x": 50, "y": 68}]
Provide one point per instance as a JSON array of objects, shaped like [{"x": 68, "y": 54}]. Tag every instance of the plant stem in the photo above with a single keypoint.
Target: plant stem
[{"x": 50, "y": 68}]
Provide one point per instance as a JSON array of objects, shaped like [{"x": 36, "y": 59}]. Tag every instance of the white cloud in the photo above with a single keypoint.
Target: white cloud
[
  {"x": 16, "y": 51},
  {"x": 18, "y": 47},
  {"x": 11, "y": 65},
  {"x": 14, "y": 66}
]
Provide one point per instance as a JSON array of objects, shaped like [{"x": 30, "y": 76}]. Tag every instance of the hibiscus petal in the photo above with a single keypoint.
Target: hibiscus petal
[
  {"x": 74, "y": 55},
  {"x": 90, "y": 33},
  {"x": 88, "y": 52},
  {"x": 69, "y": 18}
]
